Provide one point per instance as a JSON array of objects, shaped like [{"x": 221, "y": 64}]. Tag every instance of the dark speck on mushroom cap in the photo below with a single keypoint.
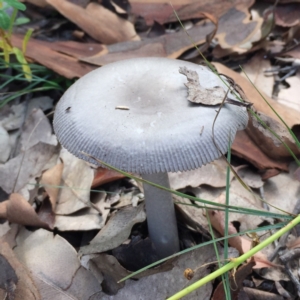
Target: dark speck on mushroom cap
[{"x": 160, "y": 131}]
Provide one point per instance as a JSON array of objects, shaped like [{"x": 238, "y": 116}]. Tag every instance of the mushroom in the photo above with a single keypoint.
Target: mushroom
[{"x": 134, "y": 115}]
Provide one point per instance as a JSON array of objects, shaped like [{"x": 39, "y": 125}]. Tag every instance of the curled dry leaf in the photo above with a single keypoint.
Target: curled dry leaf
[
  {"x": 54, "y": 266},
  {"x": 218, "y": 222},
  {"x": 235, "y": 282},
  {"x": 249, "y": 176},
  {"x": 77, "y": 178},
  {"x": 37, "y": 128},
  {"x": 212, "y": 174},
  {"x": 159, "y": 284},
  {"x": 290, "y": 115},
  {"x": 199, "y": 94},
  {"x": 99, "y": 22},
  {"x": 17, "y": 172},
  {"x": 18, "y": 210},
  {"x": 15, "y": 278},
  {"x": 51, "y": 180},
  {"x": 116, "y": 231},
  {"x": 240, "y": 243},
  {"x": 266, "y": 140}
]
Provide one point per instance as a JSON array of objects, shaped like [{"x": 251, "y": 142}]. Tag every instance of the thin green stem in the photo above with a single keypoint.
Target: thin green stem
[{"x": 237, "y": 261}]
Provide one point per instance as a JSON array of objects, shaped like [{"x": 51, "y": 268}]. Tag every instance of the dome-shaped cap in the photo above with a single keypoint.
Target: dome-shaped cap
[{"x": 159, "y": 131}]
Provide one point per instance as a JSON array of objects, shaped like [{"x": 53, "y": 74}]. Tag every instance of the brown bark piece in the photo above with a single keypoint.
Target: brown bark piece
[{"x": 97, "y": 21}]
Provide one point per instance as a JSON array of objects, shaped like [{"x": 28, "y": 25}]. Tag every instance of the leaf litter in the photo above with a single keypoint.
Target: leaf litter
[{"x": 45, "y": 188}]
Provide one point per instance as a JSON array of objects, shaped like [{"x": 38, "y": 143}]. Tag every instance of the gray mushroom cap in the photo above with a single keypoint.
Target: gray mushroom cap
[{"x": 160, "y": 132}]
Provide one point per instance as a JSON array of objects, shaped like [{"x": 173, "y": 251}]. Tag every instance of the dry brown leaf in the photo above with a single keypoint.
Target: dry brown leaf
[
  {"x": 290, "y": 96},
  {"x": 294, "y": 52},
  {"x": 42, "y": 52},
  {"x": 83, "y": 220},
  {"x": 282, "y": 190},
  {"x": 18, "y": 210},
  {"x": 266, "y": 140},
  {"x": 255, "y": 293},
  {"x": 236, "y": 34},
  {"x": 103, "y": 175},
  {"x": 77, "y": 178},
  {"x": 287, "y": 15},
  {"x": 154, "y": 285},
  {"x": 162, "y": 12},
  {"x": 116, "y": 231},
  {"x": 99, "y": 22},
  {"x": 242, "y": 244},
  {"x": 235, "y": 282},
  {"x": 15, "y": 278},
  {"x": 254, "y": 68},
  {"x": 199, "y": 94},
  {"x": 249, "y": 176},
  {"x": 30, "y": 164},
  {"x": 212, "y": 174},
  {"x": 37, "y": 129},
  {"x": 12, "y": 116},
  {"x": 290, "y": 115},
  {"x": 168, "y": 45},
  {"x": 54, "y": 266},
  {"x": 243, "y": 146},
  {"x": 173, "y": 45},
  {"x": 51, "y": 180},
  {"x": 218, "y": 222}
]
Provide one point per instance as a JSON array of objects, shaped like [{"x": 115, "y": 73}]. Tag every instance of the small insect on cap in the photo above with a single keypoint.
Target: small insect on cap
[{"x": 134, "y": 115}]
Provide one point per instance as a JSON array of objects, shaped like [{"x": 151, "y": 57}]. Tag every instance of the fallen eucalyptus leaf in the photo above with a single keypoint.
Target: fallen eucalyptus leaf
[{"x": 116, "y": 231}]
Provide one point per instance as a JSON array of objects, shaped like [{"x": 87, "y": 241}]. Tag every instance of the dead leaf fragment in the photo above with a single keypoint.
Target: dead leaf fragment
[
  {"x": 16, "y": 278},
  {"x": 116, "y": 231},
  {"x": 266, "y": 140},
  {"x": 37, "y": 129},
  {"x": 236, "y": 282},
  {"x": 46, "y": 255},
  {"x": 77, "y": 178},
  {"x": 159, "y": 284},
  {"x": 99, "y": 22},
  {"x": 46, "y": 54},
  {"x": 254, "y": 69},
  {"x": 199, "y": 94},
  {"x": 212, "y": 174},
  {"x": 25, "y": 166},
  {"x": 290, "y": 115},
  {"x": 18, "y": 210},
  {"x": 51, "y": 180}
]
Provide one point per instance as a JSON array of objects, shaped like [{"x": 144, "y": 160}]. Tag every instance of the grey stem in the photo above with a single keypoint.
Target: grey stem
[{"x": 161, "y": 219}]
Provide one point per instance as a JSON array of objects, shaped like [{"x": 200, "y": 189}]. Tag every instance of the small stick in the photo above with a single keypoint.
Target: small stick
[{"x": 122, "y": 107}]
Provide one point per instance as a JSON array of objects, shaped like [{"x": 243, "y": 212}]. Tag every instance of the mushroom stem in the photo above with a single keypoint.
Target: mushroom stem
[{"x": 161, "y": 219}]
